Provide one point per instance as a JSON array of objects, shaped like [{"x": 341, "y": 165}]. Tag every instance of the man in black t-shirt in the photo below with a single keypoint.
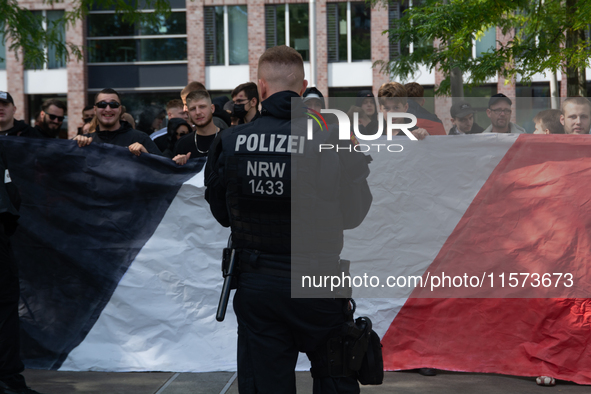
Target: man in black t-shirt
[{"x": 196, "y": 143}]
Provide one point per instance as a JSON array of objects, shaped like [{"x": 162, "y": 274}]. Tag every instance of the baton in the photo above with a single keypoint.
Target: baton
[{"x": 228, "y": 276}]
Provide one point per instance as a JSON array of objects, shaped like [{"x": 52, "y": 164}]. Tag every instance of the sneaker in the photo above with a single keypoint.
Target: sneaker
[
  {"x": 427, "y": 371},
  {"x": 545, "y": 381}
]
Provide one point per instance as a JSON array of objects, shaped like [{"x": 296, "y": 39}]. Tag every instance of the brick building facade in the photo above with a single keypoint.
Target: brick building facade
[{"x": 81, "y": 78}]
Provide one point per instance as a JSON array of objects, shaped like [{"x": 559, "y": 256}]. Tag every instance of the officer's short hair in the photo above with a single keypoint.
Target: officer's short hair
[
  {"x": 577, "y": 101},
  {"x": 283, "y": 66},
  {"x": 281, "y": 54},
  {"x": 550, "y": 119},
  {"x": 198, "y": 95},
  {"x": 249, "y": 89},
  {"x": 49, "y": 102},
  {"x": 392, "y": 90}
]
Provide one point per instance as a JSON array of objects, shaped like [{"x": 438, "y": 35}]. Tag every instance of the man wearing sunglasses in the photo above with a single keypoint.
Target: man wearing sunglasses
[
  {"x": 52, "y": 117},
  {"x": 112, "y": 130},
  {"x": 499, "y": 113}
]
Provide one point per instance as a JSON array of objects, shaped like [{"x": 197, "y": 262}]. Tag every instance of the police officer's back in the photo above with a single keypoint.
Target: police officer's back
[{"x": 287, "y": 204}]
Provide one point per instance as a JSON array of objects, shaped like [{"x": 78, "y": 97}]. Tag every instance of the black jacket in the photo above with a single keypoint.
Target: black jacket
[
  {"x": 250, "y": 186},
  {"x": 40, "y": 132},
  {"x": 20, "y": 128},
  {"x": 125, "y": 136},
  {"x": 167, "y": 142}
]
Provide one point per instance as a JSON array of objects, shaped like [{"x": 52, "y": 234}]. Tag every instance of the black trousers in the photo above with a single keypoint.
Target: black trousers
[
  {"x": 273, "y": 328},
  {"x": 10, "y": 363}
]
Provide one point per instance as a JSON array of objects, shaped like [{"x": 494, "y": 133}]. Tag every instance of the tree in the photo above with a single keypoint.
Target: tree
[
  {"x": 24, "y": 29},
  {"x": 548, "y": 35}
]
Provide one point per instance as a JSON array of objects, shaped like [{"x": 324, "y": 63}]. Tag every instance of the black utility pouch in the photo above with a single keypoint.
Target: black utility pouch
[
  {"x": 372, "y": 366},
  {"x": 357, "y": 352}
]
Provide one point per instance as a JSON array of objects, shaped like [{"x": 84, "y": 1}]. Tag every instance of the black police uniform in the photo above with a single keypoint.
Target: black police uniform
[
  {"x": 279, "y": 222},
  {"x": 10, "y": 363}
]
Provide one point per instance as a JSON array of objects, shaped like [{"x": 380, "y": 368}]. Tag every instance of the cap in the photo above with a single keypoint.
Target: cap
[
  {"x": 6, "y": 97},
  {"x": 461, "y": 109},
  {"x": 498, "y": 97},
  {"x": 313, "y": 94},
  {"x": 362, "y": 95}
]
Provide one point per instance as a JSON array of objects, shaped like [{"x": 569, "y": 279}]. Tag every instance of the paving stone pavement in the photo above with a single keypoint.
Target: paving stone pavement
[{"x": 62, "y": 382}]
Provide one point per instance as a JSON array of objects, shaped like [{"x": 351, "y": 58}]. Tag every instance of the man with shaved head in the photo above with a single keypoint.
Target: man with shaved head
[{"x": 281, "y": 226}]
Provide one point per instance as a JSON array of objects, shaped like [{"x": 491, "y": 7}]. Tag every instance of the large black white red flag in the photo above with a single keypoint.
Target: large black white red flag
[{"x": 119, "y": 258}]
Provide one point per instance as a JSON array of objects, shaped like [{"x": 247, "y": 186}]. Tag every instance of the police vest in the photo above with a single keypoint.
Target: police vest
[{"x": 282, "y": 194}]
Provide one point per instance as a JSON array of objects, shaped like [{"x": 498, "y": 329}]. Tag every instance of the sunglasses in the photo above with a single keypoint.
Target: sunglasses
[
  {"x": 104, "y": 104},
  {"x": 87, "y": 120},
  {"x": 54, "y": 117}
]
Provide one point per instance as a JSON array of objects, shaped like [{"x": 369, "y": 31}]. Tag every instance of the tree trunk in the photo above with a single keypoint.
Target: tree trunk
[
  {"x": 554, "y": 92},
  {"x": 576, "y": 79},
  {"x": 457, "y": 84}
]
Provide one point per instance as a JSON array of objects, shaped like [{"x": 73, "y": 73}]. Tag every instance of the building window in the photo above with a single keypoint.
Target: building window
[
  {"x": 48, "y": 18},
  {"x": 487, "y": 43},
  {"x": 348, "y": 31},
  {"x": 111, "y": 40},
  {"x": 395, "y": 11},
  {"x": 226, "y": 35},
  {"x": 287, "y": 24}
]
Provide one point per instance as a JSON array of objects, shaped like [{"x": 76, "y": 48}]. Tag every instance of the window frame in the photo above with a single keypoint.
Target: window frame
[
  {"x": 136, "y": 37},
  {"x": 64, "y": 63},
  {"x": 349, "y": 42},
  {"x": 286, "y": 19},
  {"x": 226, "y": 30},
  {"x": 476, "y": 55}
]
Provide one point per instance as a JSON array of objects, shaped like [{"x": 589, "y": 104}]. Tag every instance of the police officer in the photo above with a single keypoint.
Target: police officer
[
  {"x": 11, "y": 381},
  {"x": 279, "y": 222}
]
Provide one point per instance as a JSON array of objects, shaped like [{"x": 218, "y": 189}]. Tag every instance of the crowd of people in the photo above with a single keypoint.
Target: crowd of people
[
  {"x": 196, "y": 124},
  {"x": 188, "y": 132}
]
